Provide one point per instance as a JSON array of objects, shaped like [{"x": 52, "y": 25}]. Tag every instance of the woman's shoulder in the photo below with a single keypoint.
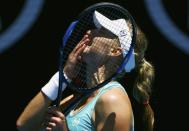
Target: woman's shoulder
[
  {"x": 114, "y": 101},
  {"x": 114, "y": 96}
]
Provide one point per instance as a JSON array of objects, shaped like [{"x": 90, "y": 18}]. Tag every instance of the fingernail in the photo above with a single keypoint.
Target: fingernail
[{"x": 89, "y": 31}]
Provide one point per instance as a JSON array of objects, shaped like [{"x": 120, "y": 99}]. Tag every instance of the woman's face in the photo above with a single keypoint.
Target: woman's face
[{"x": 98, "y": 51}]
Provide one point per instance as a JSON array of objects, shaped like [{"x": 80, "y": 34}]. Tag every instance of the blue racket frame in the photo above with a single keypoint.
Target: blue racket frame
[
  {"x": 68, "y": 33},
  {"x": 62, "y": 79}
]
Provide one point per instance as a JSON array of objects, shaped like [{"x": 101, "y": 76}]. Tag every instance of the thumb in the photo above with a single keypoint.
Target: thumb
[{"x": 66, "y": 101}]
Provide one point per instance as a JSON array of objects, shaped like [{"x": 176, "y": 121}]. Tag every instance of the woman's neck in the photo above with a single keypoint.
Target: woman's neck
[{"x": 95, "y": 77}]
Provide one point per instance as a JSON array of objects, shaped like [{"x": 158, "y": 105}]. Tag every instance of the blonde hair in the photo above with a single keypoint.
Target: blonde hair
[
  {"x": 144, "y": 80},
  {"x": 142, "y": 87}
]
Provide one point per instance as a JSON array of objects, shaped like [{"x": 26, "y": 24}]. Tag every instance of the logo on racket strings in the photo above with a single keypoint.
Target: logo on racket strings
[{"x": 123, "y": 33}]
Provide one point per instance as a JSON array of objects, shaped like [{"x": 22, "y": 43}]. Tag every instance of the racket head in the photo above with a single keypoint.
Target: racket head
[{"x": 75, "y": 33}]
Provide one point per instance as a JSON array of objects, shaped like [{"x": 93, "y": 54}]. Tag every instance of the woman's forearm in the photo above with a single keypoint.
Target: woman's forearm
[{"x": 33, "y": 115}]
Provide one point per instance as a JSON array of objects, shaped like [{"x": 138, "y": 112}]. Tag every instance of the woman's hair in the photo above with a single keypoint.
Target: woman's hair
[
  {"x": 143, "y": 82},
  {"x": 141, "y": 90},
  {"x": 144, "y": 73}
]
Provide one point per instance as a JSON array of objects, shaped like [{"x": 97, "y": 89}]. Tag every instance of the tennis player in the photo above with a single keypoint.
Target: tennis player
[{"x": 109, "y": 107}]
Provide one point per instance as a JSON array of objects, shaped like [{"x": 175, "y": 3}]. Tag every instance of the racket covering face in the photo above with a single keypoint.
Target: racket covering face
[{"x": 111, "y": 32}]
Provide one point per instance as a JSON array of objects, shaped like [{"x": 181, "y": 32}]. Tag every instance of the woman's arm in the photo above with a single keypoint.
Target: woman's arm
[
  {"x": 113, "y": 111},
  {"x": 34, "y": 113}
]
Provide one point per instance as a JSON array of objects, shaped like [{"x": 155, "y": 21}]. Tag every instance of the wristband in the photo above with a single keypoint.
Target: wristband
[{"x": 51, "y": 88}]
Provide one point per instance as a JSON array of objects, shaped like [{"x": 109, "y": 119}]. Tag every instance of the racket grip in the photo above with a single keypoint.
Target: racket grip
[{"x": 51, "y": 88}]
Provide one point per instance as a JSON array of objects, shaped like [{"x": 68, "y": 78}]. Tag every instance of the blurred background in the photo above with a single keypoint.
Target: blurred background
[{"x": 31, "y": 32}]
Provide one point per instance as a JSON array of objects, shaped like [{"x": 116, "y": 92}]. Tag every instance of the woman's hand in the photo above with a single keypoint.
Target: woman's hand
[
  {"x": 75, "y": 56},
  {"x": 55, "y": 120}
]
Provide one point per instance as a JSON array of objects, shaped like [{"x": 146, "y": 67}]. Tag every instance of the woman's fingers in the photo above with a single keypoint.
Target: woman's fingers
[
  {"x": 54, "y": 120},
  {"x": 48, "y": 124},
  {"x": 51, "y": 124},
  {"x": 66, "y": 101},
  {"x": 55, "y": 112},
  {"x": 75, "y": 55},
  {"x": 48, "y": 129},
  {"x": 80, "y": 50},
  {"x": 84, "y": 40},
  {"x": 80, "y": 44}
]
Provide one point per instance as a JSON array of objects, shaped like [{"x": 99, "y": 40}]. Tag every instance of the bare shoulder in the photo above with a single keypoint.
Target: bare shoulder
[
  {"x": 114, "y": 105},
  {"x": 115, "y": 99}
]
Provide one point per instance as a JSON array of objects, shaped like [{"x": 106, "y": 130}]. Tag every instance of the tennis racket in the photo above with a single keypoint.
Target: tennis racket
[{"x": 115, "y": 20}]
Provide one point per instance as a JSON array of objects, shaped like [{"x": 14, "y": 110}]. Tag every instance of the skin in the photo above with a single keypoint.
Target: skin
[{"x": 112, "y": 111}]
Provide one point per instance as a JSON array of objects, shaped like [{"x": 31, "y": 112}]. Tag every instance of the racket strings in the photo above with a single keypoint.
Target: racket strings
[
  {"x": 83, "y": 71},
  {"x": 83, "y": 67},
  {"x": 112, "y": 64},
  {"x": 81, "y": 79}
]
